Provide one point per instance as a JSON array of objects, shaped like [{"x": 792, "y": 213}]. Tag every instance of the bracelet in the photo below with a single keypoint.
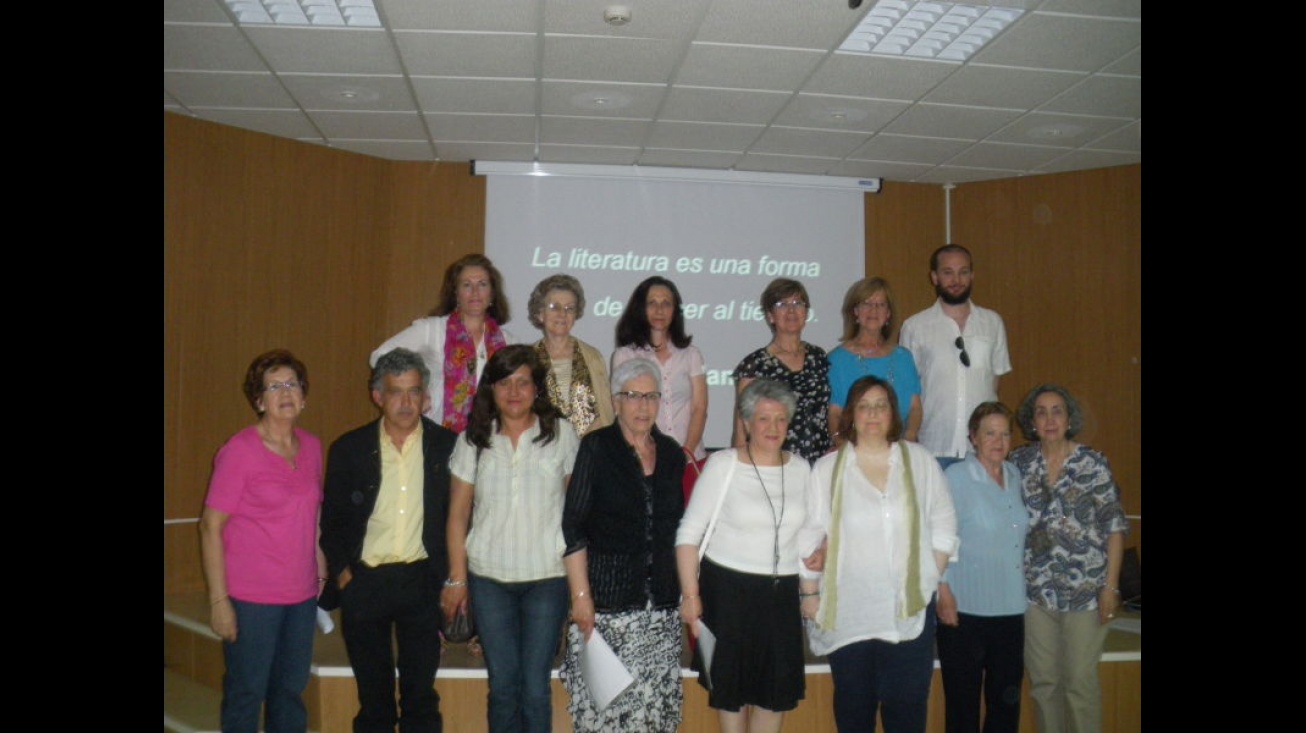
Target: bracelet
[
  {"x": 321, "y": 580},
  {"x": 579, "y": 594},
  {"x": 809, "y": 595},
  {"x": 1113, "y": 590},
  {"x": 220, "y": 600},
  {"x": 451, "y": 583}
]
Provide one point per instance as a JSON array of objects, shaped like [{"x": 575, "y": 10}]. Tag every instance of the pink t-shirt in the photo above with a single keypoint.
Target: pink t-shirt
[
  {"x": 678, "y": 374},
  {"x": 270, "y": 541}
]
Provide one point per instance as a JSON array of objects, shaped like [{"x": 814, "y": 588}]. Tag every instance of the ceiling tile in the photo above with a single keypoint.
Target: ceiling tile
[
  {"x": 628, "y": 101},
  {"x": 909, "y": 149},
  {"x": 1120, "y": 96},
  {"x": 1062, "y": 42},
  {"x": 392, "y": 149},
  {"x": 639, "y": 60},
  {"x": 588, "y": 154},
  {"x": 326, "y": 50},
  {"x": 962, "y": 123},
  {"x": 194, "y": 11},
  {"x": 1057, "y": 130},
  {"x": 497, "y": 96},
  {"x": 666, "y": 19},
  {"x": 370, "y": 125},
  {"x": 746, "y": 67},
  {"x": 206, "y": 89},
  {"x": 208, "y": 48},
  {"x": 592, "y": 131},
  {"x": 877, "y": 77},
  {"x": 785, "y": 163},
  {"x": 282, "y": 123},
  {"x": 879, "y": 169},
  {"x": 778, "y": 23},
  {"x": 816, "y": 143},
  {"x": 695, "y": 104},
  {"x": 1128, "y": 139},
  {"x": 839, "y": 113},
  {"x": 350, "y": 93},
  {"x": 484, "y": 128},
  {"x": 1002, "y": 86},
  {"x": 467, "y": 54},
  {"x": 703, "y": 135},
  {"x": 687, "y": 158},
  {"x": 1003, "y": 155},
  {"x": 454, "y": 150},
  {"x": 1081, "y": 160}
]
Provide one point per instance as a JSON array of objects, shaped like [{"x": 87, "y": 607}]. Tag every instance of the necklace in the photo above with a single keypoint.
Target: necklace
[
  {"x": 776, "y": 520},
  {"x": 775, "y": 349}
]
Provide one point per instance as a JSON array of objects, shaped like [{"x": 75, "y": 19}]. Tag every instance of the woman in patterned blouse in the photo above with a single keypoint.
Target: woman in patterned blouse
[
  {"x": 796, "y": 363},
  {"x": 1072, "y": 560},
  {"x": 577, "y": 374}
]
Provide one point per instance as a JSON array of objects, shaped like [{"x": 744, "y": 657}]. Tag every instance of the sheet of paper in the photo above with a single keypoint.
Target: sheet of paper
[
  {"x": 604, "y": 674},
  {"x": 324, "y": 621},
  {"x": 706, "y": 646}
]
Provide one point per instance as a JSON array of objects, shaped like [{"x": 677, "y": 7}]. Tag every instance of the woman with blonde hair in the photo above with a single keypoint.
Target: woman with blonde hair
[{"x": 866, "y": 350}]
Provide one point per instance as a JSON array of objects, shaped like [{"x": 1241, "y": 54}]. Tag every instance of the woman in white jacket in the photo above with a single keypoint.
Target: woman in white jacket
[{"x": 885, "y": 511}]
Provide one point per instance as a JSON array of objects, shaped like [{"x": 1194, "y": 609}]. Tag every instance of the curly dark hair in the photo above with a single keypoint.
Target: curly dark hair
[
  {"x": 505, "y": 361},
  {"x": 266, "y": 362},
  {"x": 1025, "y": 413}
]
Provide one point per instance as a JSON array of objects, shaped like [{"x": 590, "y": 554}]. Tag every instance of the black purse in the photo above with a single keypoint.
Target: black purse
[{"x": 462, "y": 627}]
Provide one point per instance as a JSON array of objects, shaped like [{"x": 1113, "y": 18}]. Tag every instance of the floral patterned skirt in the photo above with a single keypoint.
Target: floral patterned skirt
[{"x": 648, "y": 643}]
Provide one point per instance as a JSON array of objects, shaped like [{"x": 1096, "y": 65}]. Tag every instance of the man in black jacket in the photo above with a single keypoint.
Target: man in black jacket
[{"x": 385, "y": 547}]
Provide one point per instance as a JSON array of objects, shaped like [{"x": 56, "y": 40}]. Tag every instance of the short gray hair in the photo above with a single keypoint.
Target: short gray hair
[
  {"x": 398, "y": 361},
  {"x": 633, "y": 369},
  {"x": 1025, "y": 415},
  {"x": 766, "y": 389}
]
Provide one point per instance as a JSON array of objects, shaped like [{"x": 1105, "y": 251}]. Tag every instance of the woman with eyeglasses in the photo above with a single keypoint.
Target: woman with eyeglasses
[
  {"x": 803, "y": 367},
  {"x": 509, "y": 474},
  {"x": 459, "y": 336},
  {"x": 866, "y": 349},
  {"x": 577, "y": 377},
  {"x": 1073, "y": 553},
  {"x": 258, "y": 543},
  {"x": 653, "y": 327},
  {"x": 624, "y": 503},
  {"x": 884, "y": 508},
  {"x": 738, "y": 556}
]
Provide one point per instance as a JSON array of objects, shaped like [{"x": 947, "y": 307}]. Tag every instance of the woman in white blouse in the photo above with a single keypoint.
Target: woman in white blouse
[
  {"x": 509, "y": 477},
  {"x": 459, "y": 336},
  {"x": 884, "y": 507}
]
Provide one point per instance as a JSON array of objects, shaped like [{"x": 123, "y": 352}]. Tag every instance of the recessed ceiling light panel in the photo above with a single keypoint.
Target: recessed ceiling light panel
[
  {"x": 944, "y": 31},
  {"x": 326, "y": 13}
]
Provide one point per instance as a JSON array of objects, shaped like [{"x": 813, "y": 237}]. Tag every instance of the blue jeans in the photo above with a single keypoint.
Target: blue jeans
[
  {"x": 891, "y": 679},
  {"x": 268, "y": 664},
  {"x": 520, "y": 625}
]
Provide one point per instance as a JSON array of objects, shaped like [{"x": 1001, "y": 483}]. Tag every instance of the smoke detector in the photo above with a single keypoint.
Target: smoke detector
[{"x": 616, "y": 15}]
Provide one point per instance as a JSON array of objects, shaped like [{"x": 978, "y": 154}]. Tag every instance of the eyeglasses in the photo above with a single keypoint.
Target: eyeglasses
[
  {"x": 791, "y": 305},
  {"x": 569, "y": 310},
  {"x": 873, "y": 306},
  {"x": 646, "y": 396},
  {"x": 965, "y": 358},
  {"x": 294, "y": 384}
]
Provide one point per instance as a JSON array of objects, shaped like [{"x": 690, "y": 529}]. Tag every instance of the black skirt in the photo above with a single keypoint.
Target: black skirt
[{"x": 759, "y": 631}]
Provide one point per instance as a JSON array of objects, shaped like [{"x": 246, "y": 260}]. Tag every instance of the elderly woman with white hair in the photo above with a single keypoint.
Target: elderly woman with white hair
[
  {"x": 738, "y": 555},
  {"x": 619, "y": 523}
]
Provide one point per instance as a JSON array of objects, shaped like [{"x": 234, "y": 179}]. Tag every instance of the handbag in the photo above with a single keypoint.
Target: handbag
[
  {"x": 462, "y": 627},
  {"x": 693, "y": 469}
]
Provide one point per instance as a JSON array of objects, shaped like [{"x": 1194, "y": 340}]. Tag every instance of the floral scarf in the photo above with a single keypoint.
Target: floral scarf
[
  {"x": 580, "y": 406},
  {"x": 460, "y": 367}
]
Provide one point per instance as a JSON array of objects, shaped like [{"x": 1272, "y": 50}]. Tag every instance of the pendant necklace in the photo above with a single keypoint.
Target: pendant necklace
[{"x": 777, "y": 521}]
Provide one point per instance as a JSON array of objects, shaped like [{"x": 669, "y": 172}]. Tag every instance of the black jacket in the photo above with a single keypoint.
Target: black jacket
[
  {"x": 353, "y": 480},
  {"x": 606, "y": 514}
]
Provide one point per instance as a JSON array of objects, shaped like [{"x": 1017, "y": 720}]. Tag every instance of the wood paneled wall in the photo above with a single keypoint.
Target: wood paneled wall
[{"x": 273, "y": 243}]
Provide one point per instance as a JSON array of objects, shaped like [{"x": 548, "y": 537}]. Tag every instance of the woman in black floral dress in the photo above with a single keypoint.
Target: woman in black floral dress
[{"x": 795, "y": 362}]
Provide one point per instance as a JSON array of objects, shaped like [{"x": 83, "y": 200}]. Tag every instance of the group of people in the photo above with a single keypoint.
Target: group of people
[{"x": 868, "y": 498}]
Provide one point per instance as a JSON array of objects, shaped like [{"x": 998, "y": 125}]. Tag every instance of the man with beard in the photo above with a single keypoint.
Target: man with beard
[{"x": 960, "y": 351}]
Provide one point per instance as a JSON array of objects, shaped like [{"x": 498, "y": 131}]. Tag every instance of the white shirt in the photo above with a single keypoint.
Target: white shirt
[
  {"x": 516, "y": 532},
  {"x": 426, "y": 337},
  {"x": 950, "y": 391},
  {"x": 873, "y": 549},
  {"x": 746, "y": 537}
]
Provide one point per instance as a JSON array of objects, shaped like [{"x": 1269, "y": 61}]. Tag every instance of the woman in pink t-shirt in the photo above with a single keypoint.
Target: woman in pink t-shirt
[{"x": 258, "y": 540}]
